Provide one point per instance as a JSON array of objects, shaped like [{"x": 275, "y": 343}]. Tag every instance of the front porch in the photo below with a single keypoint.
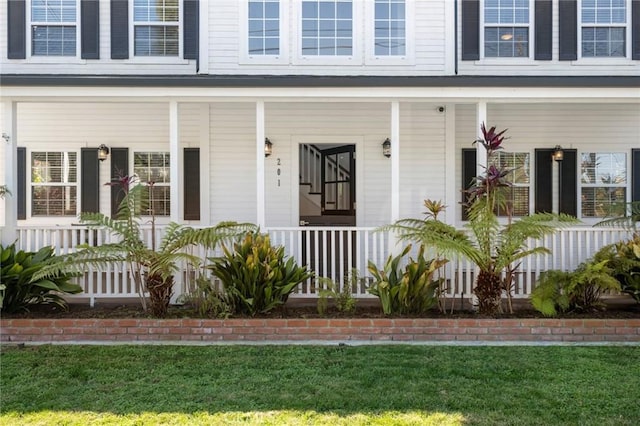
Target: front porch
[{"x": 332, "y": 253}]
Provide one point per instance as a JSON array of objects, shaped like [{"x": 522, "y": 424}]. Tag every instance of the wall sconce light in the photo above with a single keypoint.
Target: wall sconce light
[
  {"x": 103, "y": 152},
  {"x": 268, "y": 147},
  {"x": 386, "y": 148},
  {"x": 558, "y": 153}
]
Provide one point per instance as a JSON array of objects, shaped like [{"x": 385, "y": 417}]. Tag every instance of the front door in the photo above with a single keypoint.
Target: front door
[
  {"x": 327, "y": 185},
  {"x": 328, "y": 199}
]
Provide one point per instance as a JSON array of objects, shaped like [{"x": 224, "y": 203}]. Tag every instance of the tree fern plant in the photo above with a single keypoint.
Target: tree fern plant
[
  {"x": 152, "y": 266},
  {"x": 494, "y": 248}
]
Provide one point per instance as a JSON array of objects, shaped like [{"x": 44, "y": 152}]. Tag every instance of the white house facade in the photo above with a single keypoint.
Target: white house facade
[{"x": 187, "y": 93}]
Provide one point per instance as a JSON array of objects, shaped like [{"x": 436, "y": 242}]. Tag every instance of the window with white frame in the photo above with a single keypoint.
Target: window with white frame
[
  {"x": 603, "y": 181},
  {"x": 517, "y": 195},
  {"x": 390, "y": 28},
  {"x": 53, "y": 27},
  {"x": 54, "y": 183},
  {"x": 264, "y": 27},
  {"x": 603, "y": 28},
  {"x": 506, "y": 28},
  {"x": 152, "y": 169},
  {"x": 156, "y": 27},
  {"x": 327, "y": 28}
]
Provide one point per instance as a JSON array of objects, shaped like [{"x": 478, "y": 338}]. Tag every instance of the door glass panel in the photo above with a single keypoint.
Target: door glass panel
[
  {"x": 343, "y": 196},
  {"x": 330, "y": 171},
  {"x": 330, "y": 196}
]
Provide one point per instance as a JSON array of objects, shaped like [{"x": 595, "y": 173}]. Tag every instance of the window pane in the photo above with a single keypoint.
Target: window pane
[
  {"x": 264, "y": 27},
  {"x": 327, "y": 28},
  {"x": 54, "y": 201},
  {"x": 389, "y": 28},
  {"x": 156, "y": 40},
  {"x": 602, "y": 201}
]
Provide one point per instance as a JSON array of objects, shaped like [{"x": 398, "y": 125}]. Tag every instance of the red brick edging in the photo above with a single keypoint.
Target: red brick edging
[{"x": 376, "y": 330}]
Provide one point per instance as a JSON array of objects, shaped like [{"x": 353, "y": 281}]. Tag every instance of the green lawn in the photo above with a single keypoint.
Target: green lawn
[{"x": 311, "y": 385}]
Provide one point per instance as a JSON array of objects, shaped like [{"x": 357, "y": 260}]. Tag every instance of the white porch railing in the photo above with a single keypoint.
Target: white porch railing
[{"x": 331, "y": 253}]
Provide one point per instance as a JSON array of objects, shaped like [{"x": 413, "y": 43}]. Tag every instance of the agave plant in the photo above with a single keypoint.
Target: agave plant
[
  {"x": 494, "y": 248},
  {"x": 153, "y": 266}
]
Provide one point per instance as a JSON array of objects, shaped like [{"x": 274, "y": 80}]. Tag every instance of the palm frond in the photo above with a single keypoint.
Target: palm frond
[{"x": 628, "y": 217}]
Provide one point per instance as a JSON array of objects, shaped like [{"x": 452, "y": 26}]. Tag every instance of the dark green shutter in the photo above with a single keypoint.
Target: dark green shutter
[
  {"x": 635, "y": 175},
  {"x": 191, "y": 28},
  {"x": 16, "y": 29},
  {"x": 569, "y": 183},
  {"x": 119, "y": 29},
  {"x": 191, "y": 183},
  {"x": 544, "y": 182},
  {"x": 22, "y": 183},
  {"x": 543, "y": 29},
  {"x": 635, "y": 29},
  {"x": 90, "y": 181},
  {"x": 568, "y": 34},
  {"x": 469, "y": 173},
  {"x": 119, "y": 168},
  {"x": 90, "y": 29},
  {"x": 470, "y": 30}
]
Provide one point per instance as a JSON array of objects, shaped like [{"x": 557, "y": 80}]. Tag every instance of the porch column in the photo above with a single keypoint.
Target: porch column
[
  {"x": 395, "y": 161},
  {"x": 481, "y": 117},
  {"x": 451, "y": 195},
  {"x": 9, "y": 232},
  {"x": 260, "y": 181},
  {"x": 174, "y": 158}
]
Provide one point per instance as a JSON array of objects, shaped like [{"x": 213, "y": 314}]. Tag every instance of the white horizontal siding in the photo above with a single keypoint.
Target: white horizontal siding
[
  {"x": 232, "y": 159},
  {"x": 4, "y": 128}
]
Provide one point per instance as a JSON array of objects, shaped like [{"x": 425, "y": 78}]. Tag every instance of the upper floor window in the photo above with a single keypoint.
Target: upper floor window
[
  {"x": 603, "y": 178},
  {"x": 604, "y": 27},
  {"x": 156, "y": 27},
  {"x": 264, "y": 27},
  {"x": 506, "y": 28},
  {"x": 327, "y": 28},
  {"x": 390, "y": 28},
  {"x": 54, "y": 183},
  {"x": 152, "y": 169},
  {"x": 53, "y": 27},
  {"x": 517, "y": 195}
]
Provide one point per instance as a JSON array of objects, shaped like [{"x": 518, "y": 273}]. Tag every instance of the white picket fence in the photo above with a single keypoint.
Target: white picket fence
[{"x": 330, "y": 252}]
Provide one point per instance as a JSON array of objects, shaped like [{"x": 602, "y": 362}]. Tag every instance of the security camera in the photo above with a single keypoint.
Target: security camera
[{"x": 440, "y": 109}]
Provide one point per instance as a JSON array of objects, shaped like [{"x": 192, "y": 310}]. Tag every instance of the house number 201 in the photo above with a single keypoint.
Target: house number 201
[{"x": 278, "y": 171}]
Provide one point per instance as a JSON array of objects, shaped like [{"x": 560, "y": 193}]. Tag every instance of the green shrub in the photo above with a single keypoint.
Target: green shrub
[
  {"x": 207, "y": 300},
  {"x": 342, "y": 297},
  {"x": 20, "y": 291},
  {"x": 624, "y": 261},
  {"x": 558, "y": 291},
  {"x": 406, "y": 290},
  {"x": 256, "y": 276}
]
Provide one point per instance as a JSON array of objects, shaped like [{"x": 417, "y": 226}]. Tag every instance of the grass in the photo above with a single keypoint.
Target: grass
[{"x": 304, "y": 385}]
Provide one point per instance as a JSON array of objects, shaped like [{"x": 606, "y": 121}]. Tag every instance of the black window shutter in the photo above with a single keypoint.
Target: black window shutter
[
  {"x": 543, "y": 30},
  {"x": 16, "y": 29},
  {"x": 90, "y": 29},
  {"x": 191, "y": 183},
  {"x": 635, "y": 175},
  {"x": 191, "y": 28},
  {"x": 22, "y": 183},
  {"x": 569, "y": 182},
  {"x": 119, "y": 168},
  {"x": 470, "y": 30},
  {"x": 568, "y": 37},
  {"x": 544, "y": 182},
  {"x": 119, "y": 29},
  {"x": 89, "y": 181},
  {"x": 635, "y": 29},
  {"x": 469, "y": 167}
]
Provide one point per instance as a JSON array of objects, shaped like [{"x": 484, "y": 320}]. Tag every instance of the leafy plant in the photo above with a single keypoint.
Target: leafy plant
[
  {"x": 496, "y": 249},
  {"x": 256, "y": 275},
  {"x": 21, "y": 289},
  {"x": 558, "y": 291},
  {"x": 406, "y": 289},
  {"x": 207, "y": 300},
  {"x": 152, "y": 266},
  {"x": 342, "y": 297},
  {"x": 624, "y": 261}
]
